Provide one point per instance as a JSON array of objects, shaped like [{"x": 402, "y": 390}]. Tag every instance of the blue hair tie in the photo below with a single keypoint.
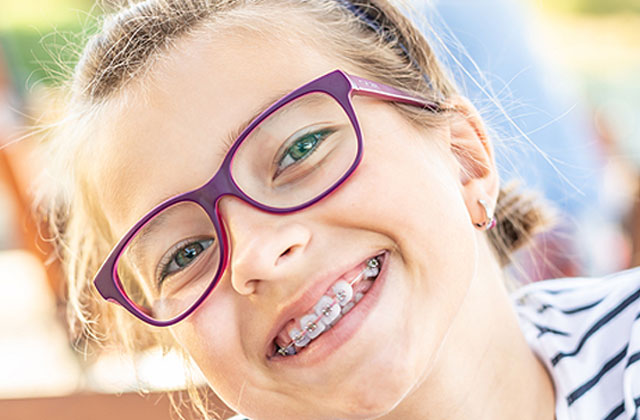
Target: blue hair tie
[{"x": 362, "y": 15}]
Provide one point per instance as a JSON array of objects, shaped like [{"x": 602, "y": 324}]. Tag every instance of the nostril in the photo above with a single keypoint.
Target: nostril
[
  {"x": 285, "y": 255},
  {"x": 286, "y": 251}
]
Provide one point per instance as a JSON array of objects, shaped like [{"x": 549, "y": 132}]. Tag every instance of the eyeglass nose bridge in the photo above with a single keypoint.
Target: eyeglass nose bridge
[
  {"x": 222, "y": 184},
  {"x": 219, "y": 186},
  {"x": 212, "y": 192}
]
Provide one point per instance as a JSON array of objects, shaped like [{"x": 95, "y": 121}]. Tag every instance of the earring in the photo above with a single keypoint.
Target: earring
[{"x": 490, "y": 221}]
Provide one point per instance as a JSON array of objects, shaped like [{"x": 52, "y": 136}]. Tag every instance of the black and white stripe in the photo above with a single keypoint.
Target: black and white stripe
[{"x": 587, "y": 333}]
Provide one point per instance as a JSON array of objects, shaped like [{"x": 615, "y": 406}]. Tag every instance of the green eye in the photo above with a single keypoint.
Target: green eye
[
  {"x": 184, "y": 256},
  {"x": 302, "y": 148},
  {"x": 187, "y": 254}
]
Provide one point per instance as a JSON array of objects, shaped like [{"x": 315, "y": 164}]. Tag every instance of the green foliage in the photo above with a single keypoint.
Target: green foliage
[
  {"x": 594, "y": 6},
  {"x": 41, "y": 39},
  {"x": 43, "y": 14},
  {"x": 609, "y": 6},
  {"x": 37, "y": 57}
]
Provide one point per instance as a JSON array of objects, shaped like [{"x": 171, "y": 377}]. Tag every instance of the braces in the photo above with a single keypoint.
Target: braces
[{"x": 288, "y": 350}]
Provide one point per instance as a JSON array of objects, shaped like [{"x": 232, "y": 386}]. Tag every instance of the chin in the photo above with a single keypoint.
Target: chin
[
  {"x": 361, "y": 397},
  {"x": 375, "y": 404},
  {"x": 378, "y": 393}
]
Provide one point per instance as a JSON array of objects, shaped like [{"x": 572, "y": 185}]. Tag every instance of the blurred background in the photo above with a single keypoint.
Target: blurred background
[{"x": 566, "y": 71}]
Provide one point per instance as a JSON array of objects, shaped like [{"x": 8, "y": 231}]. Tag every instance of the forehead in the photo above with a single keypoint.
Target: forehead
[{"x": 168, "y": 134}]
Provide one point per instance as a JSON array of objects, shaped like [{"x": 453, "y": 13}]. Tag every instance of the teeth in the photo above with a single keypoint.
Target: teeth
[
  {"x": 373, "y": 268},
  {"x": 347, "y": 307},
  {"x": 313, "y": 327},
  {"x": 299, "y": 338},
  {"x": 364, "y": 287},
  {"x": 327, "y": 309},
  {"x": 371, "y": 271},
  {"x": 343, "y": 292},
  {"x": 287, "y": 351}
]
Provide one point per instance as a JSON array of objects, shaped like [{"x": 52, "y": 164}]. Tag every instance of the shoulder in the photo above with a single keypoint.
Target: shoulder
[
  {"x": 578, "y": 287},
  {"x": 587, "y": 333}
]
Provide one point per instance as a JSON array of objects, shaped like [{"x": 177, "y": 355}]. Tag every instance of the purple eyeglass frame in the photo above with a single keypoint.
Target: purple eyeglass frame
[{"x": 337, "y": 84}]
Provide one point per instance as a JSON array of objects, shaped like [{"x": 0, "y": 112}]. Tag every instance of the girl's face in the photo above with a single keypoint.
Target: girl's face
[{"x": 406, "y": 200}]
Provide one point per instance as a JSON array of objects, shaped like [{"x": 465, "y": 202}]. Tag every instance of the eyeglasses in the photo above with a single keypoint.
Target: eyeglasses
[{"x": 294, "y": 154}]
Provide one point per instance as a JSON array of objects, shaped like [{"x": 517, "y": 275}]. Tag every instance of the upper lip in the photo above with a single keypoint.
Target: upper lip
[{"x": 309, "y": 297}]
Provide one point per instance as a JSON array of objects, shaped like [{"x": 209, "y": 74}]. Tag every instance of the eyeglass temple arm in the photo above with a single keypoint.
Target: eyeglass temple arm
[{"x": 380, "y": 90}]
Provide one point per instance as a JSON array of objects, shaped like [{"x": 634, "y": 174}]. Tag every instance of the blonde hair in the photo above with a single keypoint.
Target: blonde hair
[{"x": 381, "y": 41}]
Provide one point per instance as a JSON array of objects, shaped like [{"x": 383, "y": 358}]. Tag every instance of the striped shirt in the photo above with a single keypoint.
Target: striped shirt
[{"x": 587, "y": 334}]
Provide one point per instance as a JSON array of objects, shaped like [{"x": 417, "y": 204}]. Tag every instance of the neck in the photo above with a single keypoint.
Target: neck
[{"x": 485, "y": 369}]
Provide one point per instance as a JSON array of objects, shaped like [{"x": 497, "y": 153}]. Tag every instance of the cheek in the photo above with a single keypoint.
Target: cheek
[
  {"x": 406, "y": 187},
  {"x": 211, "y": 337},
  {"x": 426, "y": 217},
  {"x": 407, "y": 192}
]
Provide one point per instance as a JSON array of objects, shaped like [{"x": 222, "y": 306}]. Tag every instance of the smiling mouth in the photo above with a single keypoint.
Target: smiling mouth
[{"x": 337, "y": 301}]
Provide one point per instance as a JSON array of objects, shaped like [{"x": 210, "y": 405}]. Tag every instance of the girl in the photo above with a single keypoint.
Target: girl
[{"x": 293, "y": 194}]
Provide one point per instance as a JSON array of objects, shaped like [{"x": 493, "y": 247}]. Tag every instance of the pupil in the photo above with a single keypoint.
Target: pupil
[
  {"x": 303, "y": 147},
  {"x": 187, "y": 255}
]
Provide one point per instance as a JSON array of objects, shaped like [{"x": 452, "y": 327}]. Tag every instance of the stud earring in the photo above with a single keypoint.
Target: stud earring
[{"x": 490, "y": 221}]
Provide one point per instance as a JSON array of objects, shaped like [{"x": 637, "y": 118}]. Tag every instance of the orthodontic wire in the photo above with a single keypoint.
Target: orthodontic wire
[
  {"x": 357, "y": 278},
  {"x": 283, "y": 350},
  {"x": 375, "y": 26}
]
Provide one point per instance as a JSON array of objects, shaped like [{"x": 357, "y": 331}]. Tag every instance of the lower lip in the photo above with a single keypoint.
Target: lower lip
[{"x": 329, "y": 342}]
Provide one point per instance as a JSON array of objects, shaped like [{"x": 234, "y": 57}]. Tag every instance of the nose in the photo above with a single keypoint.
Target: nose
[{"x": 263, "y": 247}]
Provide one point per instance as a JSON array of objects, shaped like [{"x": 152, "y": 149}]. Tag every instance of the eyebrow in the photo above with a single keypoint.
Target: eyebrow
[{"x": 233, "y": 134}]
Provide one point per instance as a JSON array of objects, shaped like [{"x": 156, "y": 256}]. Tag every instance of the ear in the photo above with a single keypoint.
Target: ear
[{"x": 473, "y": 150}]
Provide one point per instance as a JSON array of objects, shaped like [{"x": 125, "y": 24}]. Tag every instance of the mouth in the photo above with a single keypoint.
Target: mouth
[{"x": 339, "y": 299}]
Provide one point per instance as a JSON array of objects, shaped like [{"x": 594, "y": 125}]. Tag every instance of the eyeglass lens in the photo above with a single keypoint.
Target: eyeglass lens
[{"x": 293, "y": 156}]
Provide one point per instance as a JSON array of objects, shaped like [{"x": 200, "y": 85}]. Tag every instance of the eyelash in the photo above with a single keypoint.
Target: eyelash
[
  {"x": 169, "y": 257},
  {"x": 227, "y": 142},
  {"x": 325, "y": 132}
]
